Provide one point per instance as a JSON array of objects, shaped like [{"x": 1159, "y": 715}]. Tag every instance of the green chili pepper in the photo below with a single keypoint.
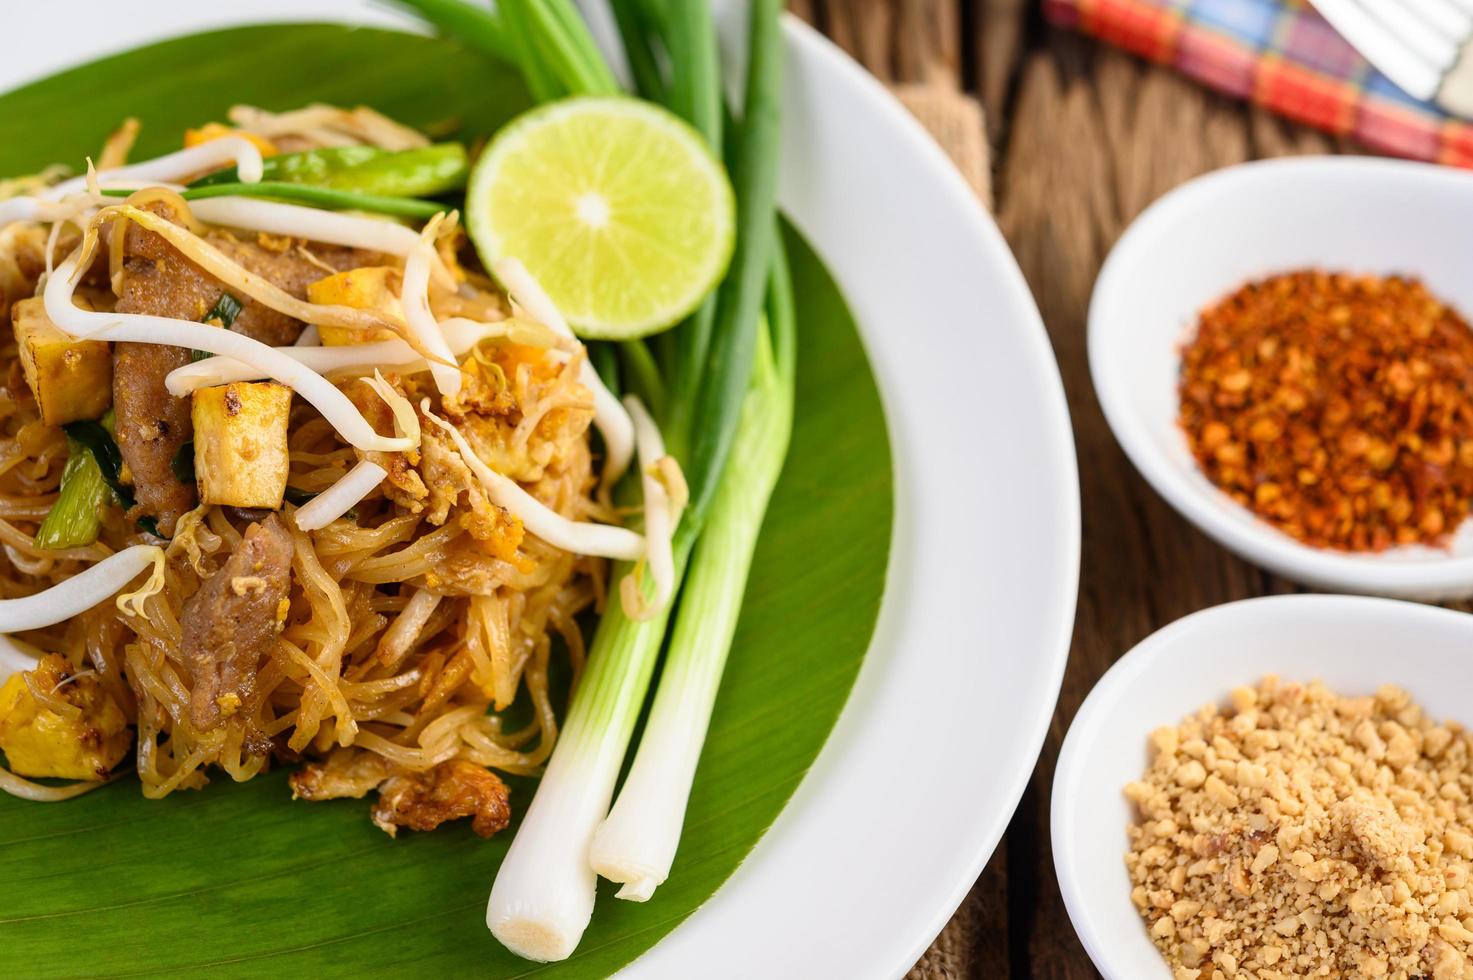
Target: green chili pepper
[
  {"x": 421, "y": 172},
  {"x": 318, "y": 197},
  {"x": 76, "y": 517}
]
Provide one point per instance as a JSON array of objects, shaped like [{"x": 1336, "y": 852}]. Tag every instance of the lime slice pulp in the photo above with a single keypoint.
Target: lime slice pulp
[{"x": 615, "y": 205}]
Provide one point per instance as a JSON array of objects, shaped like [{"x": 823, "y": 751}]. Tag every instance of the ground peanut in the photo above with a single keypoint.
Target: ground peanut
[{"x": 1302, "y": 834}]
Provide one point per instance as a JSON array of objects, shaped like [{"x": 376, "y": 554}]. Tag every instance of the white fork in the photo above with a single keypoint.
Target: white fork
[{"x": 1424, "y": 46}]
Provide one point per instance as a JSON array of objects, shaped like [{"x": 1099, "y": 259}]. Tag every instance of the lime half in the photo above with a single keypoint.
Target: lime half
[{"x": 615, "y": 205}]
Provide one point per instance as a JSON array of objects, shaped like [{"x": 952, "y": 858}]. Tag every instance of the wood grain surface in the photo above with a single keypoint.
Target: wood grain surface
[{"x": 1082, "y": 138}]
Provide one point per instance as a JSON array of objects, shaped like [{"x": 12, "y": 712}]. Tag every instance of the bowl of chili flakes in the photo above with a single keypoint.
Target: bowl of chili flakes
[{"x": 1278, "y": 348}]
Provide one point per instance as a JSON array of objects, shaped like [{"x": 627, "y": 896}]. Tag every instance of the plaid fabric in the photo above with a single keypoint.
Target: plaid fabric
[{"x": 1283, "y": 56}]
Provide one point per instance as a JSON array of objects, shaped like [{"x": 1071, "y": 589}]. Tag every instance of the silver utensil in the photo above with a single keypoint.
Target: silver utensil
[{"x": 1425, "y": 47}]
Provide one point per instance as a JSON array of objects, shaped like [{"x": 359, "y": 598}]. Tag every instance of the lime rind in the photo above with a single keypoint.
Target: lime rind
[{"x": 615, "y": 205}]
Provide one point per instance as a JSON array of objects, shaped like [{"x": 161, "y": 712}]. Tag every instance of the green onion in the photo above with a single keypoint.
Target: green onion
[
  {"x": 727, "y": 391},
  {"x": 543, "y": 895},
  {"x": 644, "y": 375},
  {"x": 734, "y": 336},
  {"x": 636, "y": 844},
  {"x": 76, "y": 517},
  {"x": 423, "y": 171},
  {"x": 476, "y": 27},
  {"x": 182, "y": 464},
  {"x": 324, "y": 197},
  {"x": 572, "y": 52},
  {"x": 695, "y": 94},
  {"x": 529, "y": 47},
  {"x": 695, "y": 69},
  {"x": 606, "y": 362},
  {"x": 637, "y": 31}
]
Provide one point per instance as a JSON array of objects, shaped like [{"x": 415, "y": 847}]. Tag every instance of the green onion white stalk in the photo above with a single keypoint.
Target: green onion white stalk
[
  {"x": 636, "y": 845},
  {"x": 543, "y": 896}
]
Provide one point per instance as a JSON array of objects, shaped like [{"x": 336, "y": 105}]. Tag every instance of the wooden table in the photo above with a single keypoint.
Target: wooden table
[{"x": 1083, "y": 137}]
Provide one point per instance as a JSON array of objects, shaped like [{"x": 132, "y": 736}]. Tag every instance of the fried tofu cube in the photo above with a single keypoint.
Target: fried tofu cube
[
  {"x": 71, "y": 379},
  {"x": 40, "y": 742},
  {"x": 240, "y": 456},
  {"x": 374, "y": 287}
]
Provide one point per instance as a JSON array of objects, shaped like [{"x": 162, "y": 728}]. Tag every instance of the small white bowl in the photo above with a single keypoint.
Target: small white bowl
[
  {"x": 1209, "y": 236},
  {"x": 1353, "y": 644}
]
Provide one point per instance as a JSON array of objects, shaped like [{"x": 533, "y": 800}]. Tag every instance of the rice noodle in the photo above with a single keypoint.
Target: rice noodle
[
  {"x": 329, "y": 125},
  {"x": 38, "y": 793},
  {"x": 75, "y": 595},
  {"x": 612, "y": 420},
  {"x": 579, "y": 537},
  {"x": 341, "y": 497},
  {"x": 472, "y": 608}
]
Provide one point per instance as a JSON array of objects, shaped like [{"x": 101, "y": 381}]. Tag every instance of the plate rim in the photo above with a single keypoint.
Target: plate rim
[
  {"x": 673, "y": 955},
  {"x": 892, "y": 952}
]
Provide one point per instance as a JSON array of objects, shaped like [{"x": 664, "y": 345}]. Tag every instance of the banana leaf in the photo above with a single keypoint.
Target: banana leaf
[{"x": 238, "y": 880}]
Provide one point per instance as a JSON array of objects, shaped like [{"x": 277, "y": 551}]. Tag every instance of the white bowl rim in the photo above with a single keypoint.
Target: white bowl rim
[
  {"x": 1209, "y": 509},
  {"x": 1128, "y": 671}
]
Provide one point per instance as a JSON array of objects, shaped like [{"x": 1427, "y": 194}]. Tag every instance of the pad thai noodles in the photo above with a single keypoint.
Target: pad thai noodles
[{"x": 289, "y": 486}]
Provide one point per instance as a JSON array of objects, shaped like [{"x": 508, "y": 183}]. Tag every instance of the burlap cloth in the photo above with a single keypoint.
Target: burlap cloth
[{"x": 956, "y": 121}]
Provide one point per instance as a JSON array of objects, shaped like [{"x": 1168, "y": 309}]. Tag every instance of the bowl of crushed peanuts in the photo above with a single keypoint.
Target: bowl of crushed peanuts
[
  {"x": 1283, "y": 349},
  {"x": 1276, "y": 788}
]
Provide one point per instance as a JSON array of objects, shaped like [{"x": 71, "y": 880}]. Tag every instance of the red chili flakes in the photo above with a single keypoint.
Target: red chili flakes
[{"x": 1339, "y": 408}]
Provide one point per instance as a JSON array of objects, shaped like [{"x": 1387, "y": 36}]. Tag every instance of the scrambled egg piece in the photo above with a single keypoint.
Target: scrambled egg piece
[{"x": 38, "y": 741}]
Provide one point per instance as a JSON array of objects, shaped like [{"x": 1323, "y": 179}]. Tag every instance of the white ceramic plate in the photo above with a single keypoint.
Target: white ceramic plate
[
  {"x": 955, "y": 696},
  {"x": 1209, "y": 236},
  {"x": 1353, "y": 644}
]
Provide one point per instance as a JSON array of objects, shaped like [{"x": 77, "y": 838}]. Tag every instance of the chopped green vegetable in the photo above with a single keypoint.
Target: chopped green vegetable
[
  {"x": 183, "y": 463},
  {"x": 297, "y": 496},
  {"x": 97, "y": 439},
  {"x": 636, "y": 844},
  {"x": 637, "y": 31},
  {"x": 421, "y": 172},
  {"x": 225, "y": 310},
  {"x": 728, "y": 363},
  {"x": 76, "y": 517}
]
